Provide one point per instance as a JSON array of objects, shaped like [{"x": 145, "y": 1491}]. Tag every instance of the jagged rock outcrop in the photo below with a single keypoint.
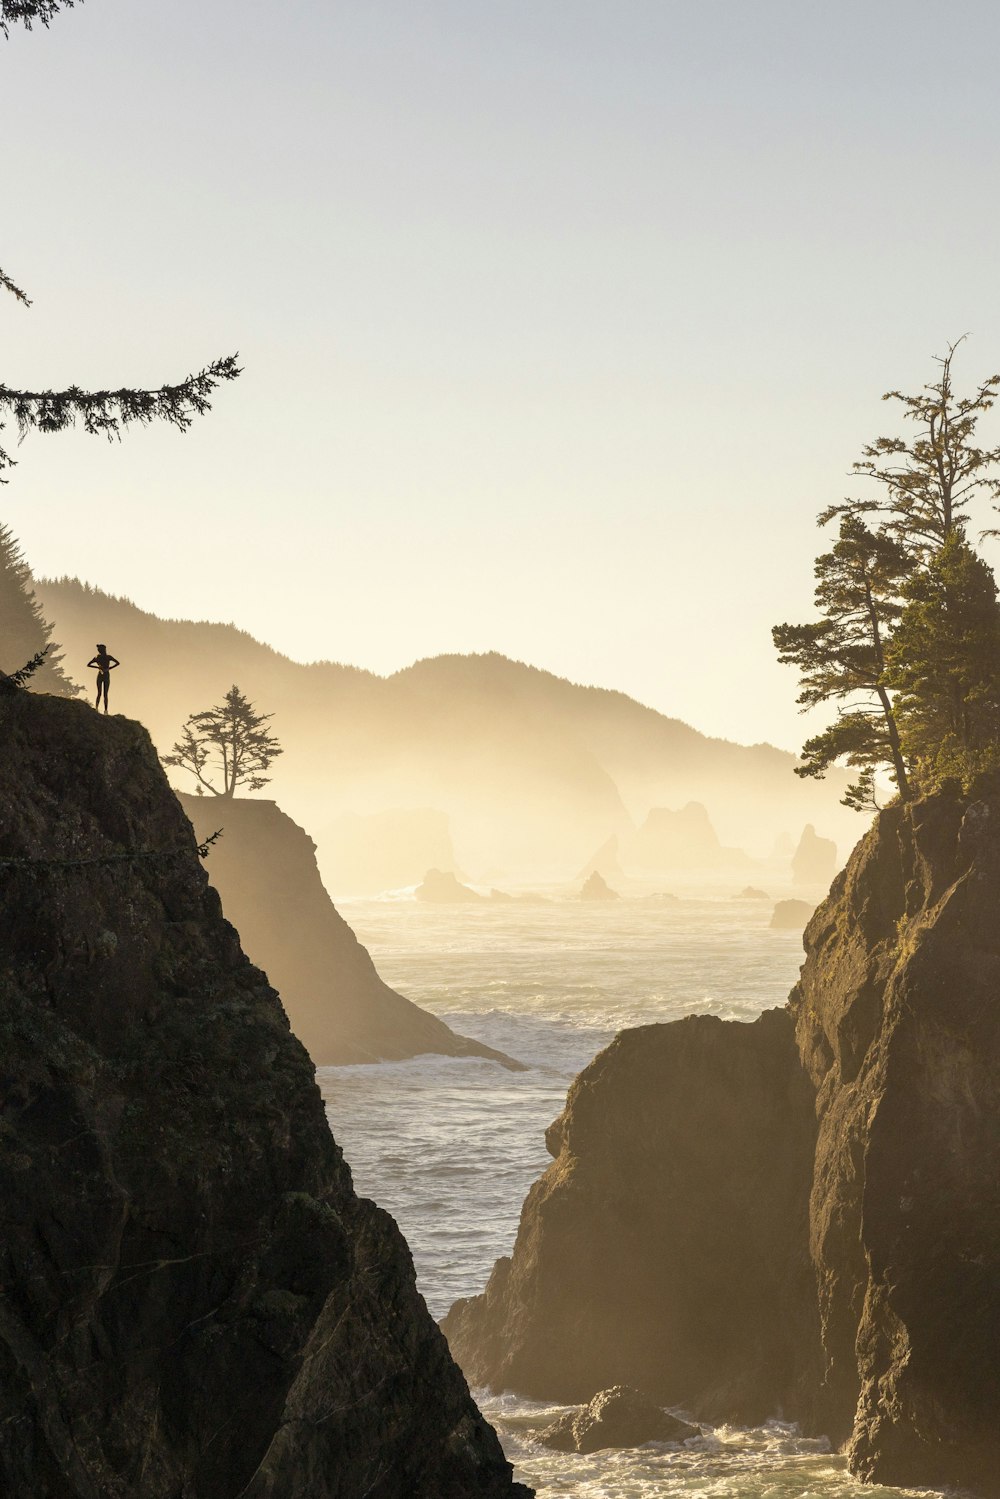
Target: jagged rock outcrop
[
  {"x": 683, "y": 839},
  {"x": 740, "y": 1222},
  {"x": 815, "y": 859},
  {"x": 596, "y": 887},
  {"x": 264, "y": 868},
  {"x": 443, "y": 887},
  {"x": 619, "y": 1417},
  {"x": 666, "y": 1247},
  {"x": 194, "y": 1301}
]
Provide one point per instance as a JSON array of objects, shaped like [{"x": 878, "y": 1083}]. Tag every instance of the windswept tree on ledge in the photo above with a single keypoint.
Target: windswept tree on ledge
[
  {"x": 908, "y": 645},
  {"x": 227, "y": 742}
]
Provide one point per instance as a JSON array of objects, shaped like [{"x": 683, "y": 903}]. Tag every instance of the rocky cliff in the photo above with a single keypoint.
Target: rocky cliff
[
  {"x": 800, "y": 1215},
  {"x": 897, "y": 1018},
  {"x": 264, "y": 868},
  {"x": 193, "y": 1301}
]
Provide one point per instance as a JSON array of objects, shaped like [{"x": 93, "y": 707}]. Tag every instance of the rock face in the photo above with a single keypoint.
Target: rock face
[
  {"x": 897, "y": 1016},
  {"x": 264, "y": 868},
  {"x": 194, "y": 1300},
  {"x": 619, "y": 1417},
  {"x": 815, "y": 859},
  {"x": 666, "y": 1247},
  {"x": 742, "y": 1222}
]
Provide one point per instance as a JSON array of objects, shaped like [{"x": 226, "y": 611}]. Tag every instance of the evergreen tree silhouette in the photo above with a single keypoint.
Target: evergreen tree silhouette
[
  {"x": 24, "y": 631},
  {"x": 27, "y": 11}
]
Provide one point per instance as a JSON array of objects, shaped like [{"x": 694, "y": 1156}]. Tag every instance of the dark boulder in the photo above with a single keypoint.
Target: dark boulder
[{"x": 619, "y": 1417}]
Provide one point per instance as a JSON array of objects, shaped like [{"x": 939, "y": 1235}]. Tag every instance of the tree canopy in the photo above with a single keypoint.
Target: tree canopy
[
  {"x": 908, "y": 642},
  {"x": 229, "y": 743}
]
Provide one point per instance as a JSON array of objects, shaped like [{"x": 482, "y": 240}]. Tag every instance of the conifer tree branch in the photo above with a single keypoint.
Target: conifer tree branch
[
  {"x": 28, "y": 11},
  {"x": 8, "y": 285},
  {"x": 108, "y": 411}
]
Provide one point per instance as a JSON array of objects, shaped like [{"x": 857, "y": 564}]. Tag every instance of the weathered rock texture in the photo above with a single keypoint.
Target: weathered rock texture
[
  {"x": 264, "y": 867},
  {"x": 898, "y": 1022},
  {"x": 193, "y": 1302},
  {"x": 738, "y": 1223},
  {"x": 666, "y": 1247}
]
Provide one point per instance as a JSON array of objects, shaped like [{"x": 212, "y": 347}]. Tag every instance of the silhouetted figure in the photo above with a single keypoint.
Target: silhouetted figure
[{"x": 105, "y": 666}]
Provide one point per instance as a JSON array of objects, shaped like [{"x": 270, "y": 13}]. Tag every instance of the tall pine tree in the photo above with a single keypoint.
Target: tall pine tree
[{"x": 23, "y": 629}]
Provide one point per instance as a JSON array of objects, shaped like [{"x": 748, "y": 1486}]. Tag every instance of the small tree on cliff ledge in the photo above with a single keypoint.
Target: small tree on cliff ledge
[{"x": 227, "y": 741}]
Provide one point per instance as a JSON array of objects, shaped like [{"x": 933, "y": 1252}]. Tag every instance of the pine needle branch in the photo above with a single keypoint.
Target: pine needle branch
[
  {"x": 8, "y": 285},
  {"x": 27, "y": 11},
  {"x": 109, "y": 411}
]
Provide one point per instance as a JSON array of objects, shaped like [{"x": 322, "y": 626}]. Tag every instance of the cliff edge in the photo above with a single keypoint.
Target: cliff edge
[
  {"x": 800, "y": 1216},
  {"x": 192, "y": 1298},
  {"x": 264, "y": 867}
]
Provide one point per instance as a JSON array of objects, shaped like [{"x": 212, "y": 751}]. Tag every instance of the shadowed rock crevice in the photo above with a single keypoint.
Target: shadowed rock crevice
[{"x": 193, "y": 1301}]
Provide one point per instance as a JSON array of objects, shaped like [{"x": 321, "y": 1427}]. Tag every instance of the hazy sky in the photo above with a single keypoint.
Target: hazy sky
[{"x": 561, "y": 319}]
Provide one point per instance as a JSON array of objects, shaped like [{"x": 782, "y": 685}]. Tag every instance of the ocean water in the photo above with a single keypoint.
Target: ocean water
[{"x": 450, "y": 1146}]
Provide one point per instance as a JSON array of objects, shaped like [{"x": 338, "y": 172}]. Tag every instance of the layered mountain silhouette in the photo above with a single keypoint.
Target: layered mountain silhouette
[{"x": 532, "y": 772}]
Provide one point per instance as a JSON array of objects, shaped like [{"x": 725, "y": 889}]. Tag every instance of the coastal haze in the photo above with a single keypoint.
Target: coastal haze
[
  {"x": 475, "y": 763},
  {"x": 447, "y": 759}
]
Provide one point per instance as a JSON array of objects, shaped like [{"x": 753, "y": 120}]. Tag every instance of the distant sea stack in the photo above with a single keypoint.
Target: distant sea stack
[
  {"x": 596, "y": 887},
  {"x": 799, "y": 1215},
  {"x": 442, "y": 887},
  {"x": 532, "y": 772},
  {"x": 264, "y": 868},
  {"x": 814, "y": 861},
  {"x": 194, "y": 1300},
  {"x": 684, "y": 839},
  {"x": 668, "y": 841}
]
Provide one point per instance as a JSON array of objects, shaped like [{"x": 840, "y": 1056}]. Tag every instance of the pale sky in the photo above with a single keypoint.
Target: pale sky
[{"x": 560, "y": 319}]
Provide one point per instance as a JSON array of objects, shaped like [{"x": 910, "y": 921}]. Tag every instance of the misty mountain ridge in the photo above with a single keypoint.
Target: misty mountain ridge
[{"x": 532, "y": 772}]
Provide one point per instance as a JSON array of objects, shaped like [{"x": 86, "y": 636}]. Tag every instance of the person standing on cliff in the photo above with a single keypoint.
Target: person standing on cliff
[{"x": 105, "y": 666}]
